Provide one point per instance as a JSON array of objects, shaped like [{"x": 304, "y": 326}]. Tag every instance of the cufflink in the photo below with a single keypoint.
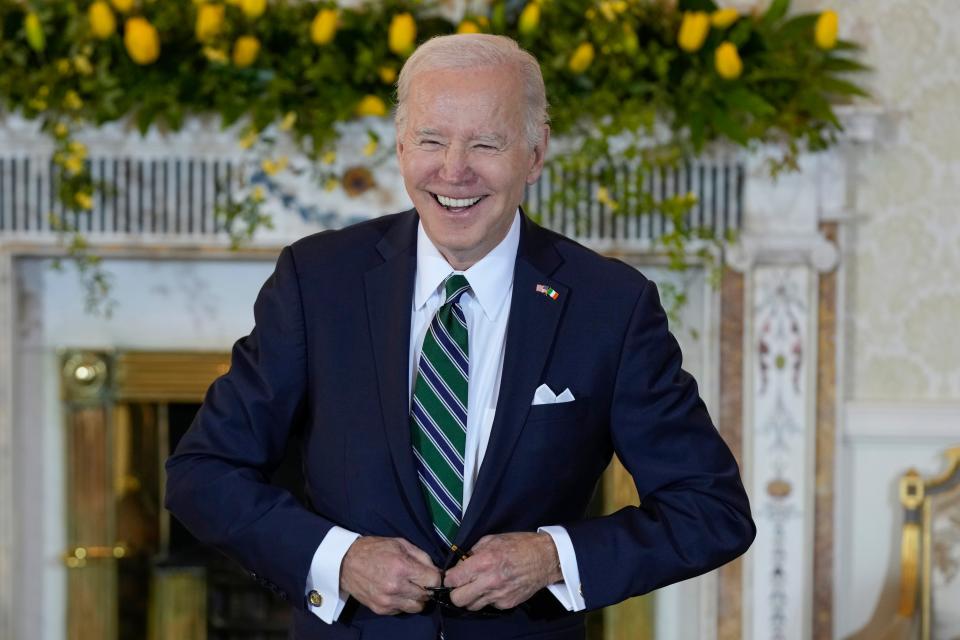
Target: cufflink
[{"x": 315, "y": 599}]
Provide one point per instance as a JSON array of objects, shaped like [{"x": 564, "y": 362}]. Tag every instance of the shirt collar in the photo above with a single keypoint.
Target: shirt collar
[{"x": 491, "y": 278}]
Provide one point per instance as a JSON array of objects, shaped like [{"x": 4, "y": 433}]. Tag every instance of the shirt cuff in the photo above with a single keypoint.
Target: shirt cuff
[
  {"x": 324, "y": 597},
  {"x": 569, "y": 592}
]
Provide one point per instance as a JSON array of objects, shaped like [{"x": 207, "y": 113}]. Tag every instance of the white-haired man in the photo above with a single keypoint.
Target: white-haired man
[{"x": 458, "y": 379}]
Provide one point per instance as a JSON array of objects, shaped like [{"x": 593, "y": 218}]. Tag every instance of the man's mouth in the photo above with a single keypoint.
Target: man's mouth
[{"x": 456, "y": 205}]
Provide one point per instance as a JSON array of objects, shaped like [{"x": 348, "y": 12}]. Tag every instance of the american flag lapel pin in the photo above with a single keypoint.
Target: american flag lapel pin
[{"x": 547, "y": 291}]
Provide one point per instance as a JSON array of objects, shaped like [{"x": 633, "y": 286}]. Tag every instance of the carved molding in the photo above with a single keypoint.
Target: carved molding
[{"x": 810, "y": 249}]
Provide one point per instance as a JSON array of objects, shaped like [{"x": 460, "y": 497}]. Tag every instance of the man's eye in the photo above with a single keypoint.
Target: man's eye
[
  {"x": 429, "y": 143},
  {"x": 485, "y": 147}
]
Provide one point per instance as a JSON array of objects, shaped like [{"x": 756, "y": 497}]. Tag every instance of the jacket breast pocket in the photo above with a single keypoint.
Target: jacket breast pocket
[{"x": 573, "y": 410}]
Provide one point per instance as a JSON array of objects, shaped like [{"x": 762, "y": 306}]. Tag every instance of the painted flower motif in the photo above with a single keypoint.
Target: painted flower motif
[
  {"x": 727, "y": 61},
  {"x": 323, "y": 29},
  {"x": 245, "y": 51},
  {"x": 582, "y": 58},
  {"x": 357, "y": 181},
  {"x": 693, "y": 30},
  {"x": 825, "y": 30},
  {"x": 209, "y": 21},
  {"x": 141, "y": 40},
  {"x": 371, "y": 105},
  {"x": 402, "y": 34},
  {"x": 103, "y": 23}
]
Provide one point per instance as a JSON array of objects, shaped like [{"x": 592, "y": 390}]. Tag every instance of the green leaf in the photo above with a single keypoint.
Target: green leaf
[
  {"x": 798, "y": 27},
  {"x": 777, "y": 9},
  {"x": 743, "y": 98},
  {"x": 697, "y": 5},
  {"x": 842, "y": 65},
  {"x": 841, "y": 87},
  {"x": 727, "y": 126},
  {"x": 740, "y": 33}
]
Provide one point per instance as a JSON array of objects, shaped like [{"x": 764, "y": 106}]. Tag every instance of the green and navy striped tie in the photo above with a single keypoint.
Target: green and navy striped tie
[{"x": 438, "y": 415}]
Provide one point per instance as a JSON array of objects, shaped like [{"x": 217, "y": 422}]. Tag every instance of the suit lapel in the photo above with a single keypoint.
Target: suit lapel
[
  {"x": 534, "y": 318},
  {"x": 389, "y": 291}
]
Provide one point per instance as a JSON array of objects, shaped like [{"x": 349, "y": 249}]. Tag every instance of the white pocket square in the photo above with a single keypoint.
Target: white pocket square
[{"x": 545, "y": 395}]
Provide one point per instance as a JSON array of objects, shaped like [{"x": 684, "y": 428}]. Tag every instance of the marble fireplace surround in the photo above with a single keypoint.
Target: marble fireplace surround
[{"x": 761, "y": 370}]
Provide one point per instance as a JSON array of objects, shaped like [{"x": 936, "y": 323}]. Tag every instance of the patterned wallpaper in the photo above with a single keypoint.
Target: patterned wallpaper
[{"x": 904, "y": 272}]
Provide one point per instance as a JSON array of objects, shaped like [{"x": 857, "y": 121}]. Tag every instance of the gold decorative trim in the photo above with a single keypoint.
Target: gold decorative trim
[
  {"x": 85, "y": 376},
  {"x": 167, "y": 376}
]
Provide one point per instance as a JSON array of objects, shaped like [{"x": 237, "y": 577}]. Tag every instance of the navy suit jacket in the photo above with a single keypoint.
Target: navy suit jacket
[{"x": 327, "y": 363}]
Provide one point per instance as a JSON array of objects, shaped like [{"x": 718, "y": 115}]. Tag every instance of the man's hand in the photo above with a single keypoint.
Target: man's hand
[
  {"x": 388, "y": 575},
  {"x": 504, "y": 570}
]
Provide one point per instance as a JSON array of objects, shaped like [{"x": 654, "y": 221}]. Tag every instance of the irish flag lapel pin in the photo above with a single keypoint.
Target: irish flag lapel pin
[{"x": 547, "y": 291}]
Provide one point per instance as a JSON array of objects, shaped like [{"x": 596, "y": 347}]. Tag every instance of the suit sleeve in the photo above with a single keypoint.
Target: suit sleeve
[
  {"x": 217, "y": 479},
  {"x": 694, "y": 514}
]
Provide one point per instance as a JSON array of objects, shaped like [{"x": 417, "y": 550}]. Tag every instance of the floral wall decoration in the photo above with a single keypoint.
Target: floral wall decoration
[{"x": 653, "y": 82}]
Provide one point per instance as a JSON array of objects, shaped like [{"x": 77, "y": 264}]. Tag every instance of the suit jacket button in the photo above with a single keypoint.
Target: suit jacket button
[{"x": 315, "y": 599}]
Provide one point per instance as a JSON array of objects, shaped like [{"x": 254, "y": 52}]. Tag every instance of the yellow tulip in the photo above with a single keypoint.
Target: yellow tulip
[
  {"x": 141, "y": 40},
  {"x": 61, "y": 130},
  {"x": 468, "y": 26},
  {"x": 253, "y": 9},
  {"x": 825, "y": 31},
  {"x": 371, "y": 105},
  {"x": 245, "y": 51},
  {"x": 402, "y": 34},
  {"x": 387, "y": 74},
  {"x": 288, "y": 121},
  {"x": 529, "y": 18},
  {"x": 103, "y": 24},
  {"x": 630, "y": 41},
  {"x": 83, "y": 200},
  {"x": 370, "y": 148},
  {"x": 582, "y": 58},
  {"x": 216, "y": 55},
  {"x": 72, "y": 101},
  {"x": 324, "y": 26},
  {"x": 727, "y": 61},
  {"x": 209, "y": 21},
  {"x": 723, "y": 18},
  {"x": 34, "y": 30},
  {"x": 82, "y": 65},
  {"x": 123, "y": 6},
  {"x": 693, "y": 30},
  {"x": 73, "y": 165}
]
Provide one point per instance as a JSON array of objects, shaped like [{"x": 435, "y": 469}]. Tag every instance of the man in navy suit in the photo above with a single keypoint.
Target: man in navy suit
[{"x": 463, "y": 335}]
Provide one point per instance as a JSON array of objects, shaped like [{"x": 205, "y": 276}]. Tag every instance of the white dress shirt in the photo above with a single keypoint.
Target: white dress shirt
[{"x": 486, "y": 307}]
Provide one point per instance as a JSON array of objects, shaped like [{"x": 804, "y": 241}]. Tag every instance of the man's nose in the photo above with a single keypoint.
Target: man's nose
[{"x": 456, "y": 165}]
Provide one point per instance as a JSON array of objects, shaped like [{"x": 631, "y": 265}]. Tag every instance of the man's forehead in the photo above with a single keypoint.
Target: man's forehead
[{"x": 473, "y": 134}]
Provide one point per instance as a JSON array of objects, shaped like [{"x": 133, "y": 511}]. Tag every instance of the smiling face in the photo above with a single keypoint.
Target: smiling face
[{"x": 465, "y": 158}]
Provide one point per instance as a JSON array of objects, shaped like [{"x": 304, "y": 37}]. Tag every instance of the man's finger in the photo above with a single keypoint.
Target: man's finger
[{"x": 416, "y": 552}]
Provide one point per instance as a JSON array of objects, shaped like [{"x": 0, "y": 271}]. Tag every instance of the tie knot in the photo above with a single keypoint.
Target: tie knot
[{"x": 455, "y": 286}]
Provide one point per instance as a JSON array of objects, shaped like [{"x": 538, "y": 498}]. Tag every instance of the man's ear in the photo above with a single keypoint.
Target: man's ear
[{"x": 539, "y": 155}]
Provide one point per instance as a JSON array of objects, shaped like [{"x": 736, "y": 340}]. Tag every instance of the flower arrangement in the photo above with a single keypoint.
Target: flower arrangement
[{"x": 614, "y": 70}]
